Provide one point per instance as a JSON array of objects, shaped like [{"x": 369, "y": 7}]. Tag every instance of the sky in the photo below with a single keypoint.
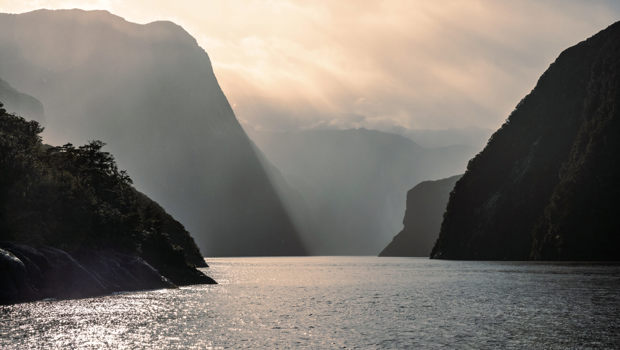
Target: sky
[{"x": 287, "y": 65}]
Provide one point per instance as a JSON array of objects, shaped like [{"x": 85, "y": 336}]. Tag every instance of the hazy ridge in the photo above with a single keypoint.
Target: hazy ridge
[
  {"x": 349, "y": 185},
  {"x": 149, "y": 92}
]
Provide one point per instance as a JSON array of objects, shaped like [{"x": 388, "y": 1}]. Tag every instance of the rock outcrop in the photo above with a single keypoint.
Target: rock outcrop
[
  {"x": 39, "y": 273},
  {"x": 426, "y": 204}
]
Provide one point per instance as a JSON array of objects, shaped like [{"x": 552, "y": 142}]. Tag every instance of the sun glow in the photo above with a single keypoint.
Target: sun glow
[{"x": 289, "y": 64}]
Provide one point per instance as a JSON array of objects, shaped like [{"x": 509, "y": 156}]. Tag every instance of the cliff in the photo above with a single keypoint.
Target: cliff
[
  {"x": 149, "y": 91},
  {"x": 545, "y": 186},
  {"x": 426, "y": 204}
]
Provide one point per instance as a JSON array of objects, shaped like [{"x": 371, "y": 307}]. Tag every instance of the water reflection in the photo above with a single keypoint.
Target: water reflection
[{"x": 337, "y": 302}]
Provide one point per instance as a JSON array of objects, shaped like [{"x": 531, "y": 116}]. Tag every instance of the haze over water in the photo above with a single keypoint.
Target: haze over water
[{"x": 341, "y": 302}]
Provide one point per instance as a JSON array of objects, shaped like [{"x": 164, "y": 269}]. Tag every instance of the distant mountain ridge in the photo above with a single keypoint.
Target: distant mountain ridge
[
  {"x": 149, "y": 91},
  {"x": 351, "y": 184},
  {"x": 426, "y": 204},
  {"x": 546, "y": 185},
  {"x": 20, "y": 103},
  {"x": 432, "y": 138}
]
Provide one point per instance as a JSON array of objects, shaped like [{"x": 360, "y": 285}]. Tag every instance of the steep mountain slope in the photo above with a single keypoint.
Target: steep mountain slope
[
  {"x": 426, "y": 204},
  {"x": 149, "y": 91},
  {"x": 351, "y": 183},
  {"x": 474, "y": 137},
  {"x": 545, "y": 187},
  {"x": 20, "y": 103},
  {"x": 71, "y": 224}
]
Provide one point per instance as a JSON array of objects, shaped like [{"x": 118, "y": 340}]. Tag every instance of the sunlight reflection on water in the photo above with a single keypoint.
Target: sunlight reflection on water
[{"x": 337, "y": 302}]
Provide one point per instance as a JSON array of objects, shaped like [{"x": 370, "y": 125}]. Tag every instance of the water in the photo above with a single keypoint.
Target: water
[{"x": 341, "y": 302}]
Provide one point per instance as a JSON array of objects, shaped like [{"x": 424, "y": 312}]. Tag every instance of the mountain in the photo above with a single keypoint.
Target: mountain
[
  {"x": 149, "y": 91},
  {"x": 71, "y": 224},
  {"x": 20, "y": 103},
  {"x": 545, "y": 186},
  {"x": 430, "y": 138},
  {"x": 426, "y": 204},
  {"x": 349, "y": 184}
]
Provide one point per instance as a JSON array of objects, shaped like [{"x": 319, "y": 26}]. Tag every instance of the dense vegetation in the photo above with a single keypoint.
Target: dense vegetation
[
  {"x": 545, "y": 187},
  {"x": 76, "y": 199},
  {"x": 426, "y": 204}
]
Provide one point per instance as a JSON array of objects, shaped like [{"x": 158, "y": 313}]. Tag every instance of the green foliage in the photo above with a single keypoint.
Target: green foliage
[{"x": 76, "y": 197}]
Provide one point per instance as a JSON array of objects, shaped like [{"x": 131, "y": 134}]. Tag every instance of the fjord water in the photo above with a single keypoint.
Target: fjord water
[{"x": 341, "y": 302}]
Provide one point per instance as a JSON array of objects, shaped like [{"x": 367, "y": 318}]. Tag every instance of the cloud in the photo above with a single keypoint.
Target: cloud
[{"x": 303, "y": 64}]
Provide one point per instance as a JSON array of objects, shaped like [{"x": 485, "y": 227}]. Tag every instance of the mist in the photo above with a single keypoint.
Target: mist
[
  {"x": 346, "y": 189},
  {"x": 290, "y": 65},
  {"x": 149, "y": 92},
  {"x": 21, "y": 104},
  {"x": 304, "y": 174},
  {"x": 347, "y": 109}
]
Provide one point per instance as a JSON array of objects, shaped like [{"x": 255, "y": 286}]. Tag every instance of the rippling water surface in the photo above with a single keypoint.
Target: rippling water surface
[{"x": 341, "y": 302}]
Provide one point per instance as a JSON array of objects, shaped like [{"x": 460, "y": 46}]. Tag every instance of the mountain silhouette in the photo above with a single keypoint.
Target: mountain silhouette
[
  {"x": 150, "y": 93},
  {"x": 426, "y": 204},
  {"x": 545, "y": 186}
]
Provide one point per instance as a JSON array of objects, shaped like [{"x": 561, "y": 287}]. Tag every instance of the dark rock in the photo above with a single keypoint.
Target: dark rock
[
  {"x": 426, "y": 204},
  {"x": 171, "y": 262},
  {"x": 122, "y": 272},
  {"x": 13, "y": 278},
  {"x": 65, "y": 277},
  {"x": 546, "y": 185},
  {"x": 29, "y": 273}
]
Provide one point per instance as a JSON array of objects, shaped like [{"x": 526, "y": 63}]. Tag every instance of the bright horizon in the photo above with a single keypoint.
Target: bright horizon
[{"x": 291, "y": 65}]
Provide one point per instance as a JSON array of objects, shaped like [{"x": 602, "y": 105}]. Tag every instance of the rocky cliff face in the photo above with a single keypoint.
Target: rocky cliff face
[
  {"x": 37, "y": 273},
  {"x": 29, "y": 273},
  {"x": 545, "y": 186},
  {"x": 150, "y": 93},
  {"x": 426, "y": 204}
]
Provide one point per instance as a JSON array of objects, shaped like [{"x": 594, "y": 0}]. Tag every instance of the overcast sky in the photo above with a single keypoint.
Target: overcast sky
[{"x": 417, "y": 64}]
